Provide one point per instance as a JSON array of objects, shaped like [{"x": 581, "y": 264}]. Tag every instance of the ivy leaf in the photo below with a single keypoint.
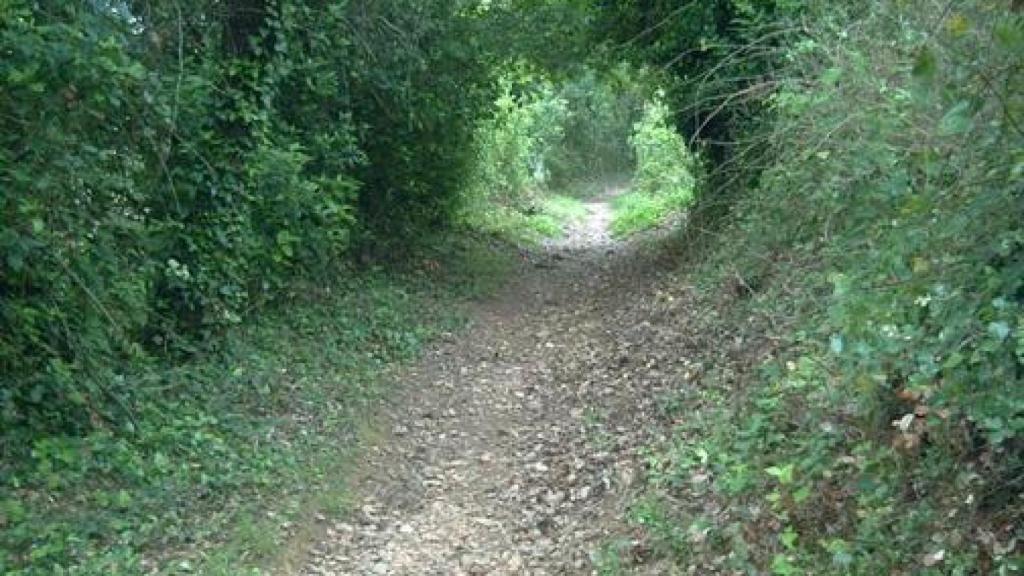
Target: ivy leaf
[
  {"x": 124, "y": 499},
  {"x": 926, "y": 65},
  {"x": 783, "y": 566},
  {"x": 788, "y": 538},
  {"x": 954, "y": 360},
  {"x": 957, "y": 120},
  {"x": 801, "y": 495},
  {"x": 999, "y": 330}
]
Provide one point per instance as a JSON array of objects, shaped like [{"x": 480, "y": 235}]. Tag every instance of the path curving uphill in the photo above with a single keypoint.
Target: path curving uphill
[{"x": 512, "y": 448}]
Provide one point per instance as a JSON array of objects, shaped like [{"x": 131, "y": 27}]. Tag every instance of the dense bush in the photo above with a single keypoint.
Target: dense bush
[
  {"x": 552, "y": 132},
  {"x": 885, "y": 237},
  {"x": 166, "y": 171},
  {"x": 663, "y": 163},
  {"x": 514, "y": 143},
  {"x": 663, "y": 180}
]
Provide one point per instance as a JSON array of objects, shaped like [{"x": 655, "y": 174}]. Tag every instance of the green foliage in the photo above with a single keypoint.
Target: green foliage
[
  {"x": 589, "y": 127},
  {"x": 926, "y": 272},
  {"x": 602, "y": 108},
  {"x": 663, "y": 162},
  {"x": 236, "y": 443},
  {"x": 551, "y": 135},
  {"x": 663, "y": 182},
  {"x": 883, "y": 244},
  {"x": 547, "y": 221},
  {"x": 419, "y": 83},
  {"x": 513, "y": 145},
  {"x": 168, "y": 172},
  {"x": 714, "y": 56}
]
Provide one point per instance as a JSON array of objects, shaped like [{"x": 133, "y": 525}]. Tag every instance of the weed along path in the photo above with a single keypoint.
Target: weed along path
[{"x": 512, "y": 448}]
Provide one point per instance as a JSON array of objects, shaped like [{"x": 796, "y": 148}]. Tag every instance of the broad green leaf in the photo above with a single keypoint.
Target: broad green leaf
[
  {"x": 958, "y": 120},
  {"x": 788, "y": 538},
  {"x": 999, "y": 330},
  {"x": 784, "y": 474}
]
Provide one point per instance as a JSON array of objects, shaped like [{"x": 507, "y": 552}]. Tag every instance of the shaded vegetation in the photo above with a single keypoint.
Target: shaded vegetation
[
  {"x": 174, "y": 176},
  {"x": 241, "y": 441},
  {"x": 876, "y": 262},
  {"x": 664, "y": 182},
  {"x": 170, "y": 172},
  {"x": 207, "y": 208}
]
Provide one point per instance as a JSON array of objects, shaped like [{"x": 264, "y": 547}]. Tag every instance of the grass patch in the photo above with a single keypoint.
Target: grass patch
[
  {"x": 638, "y": 211},
  {"x": 593, "y": 187},
  {"x": 548, "y": 219},
  {"x": 233, "y": 449},
  {"x": 564, "y": 209}
]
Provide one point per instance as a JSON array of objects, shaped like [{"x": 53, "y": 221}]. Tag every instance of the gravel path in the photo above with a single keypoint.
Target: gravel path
[{"x": 513, "y": 447}]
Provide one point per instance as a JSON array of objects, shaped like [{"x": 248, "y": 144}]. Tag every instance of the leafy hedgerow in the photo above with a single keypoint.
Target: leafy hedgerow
[
  {"x": 882, "y": 244},
  {"x": 167, "y": 172},
  {"x": 664, "y": 182}
]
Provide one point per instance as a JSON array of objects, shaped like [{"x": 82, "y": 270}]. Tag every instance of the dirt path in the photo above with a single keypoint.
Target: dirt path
[{"x": 513, "y": 446}]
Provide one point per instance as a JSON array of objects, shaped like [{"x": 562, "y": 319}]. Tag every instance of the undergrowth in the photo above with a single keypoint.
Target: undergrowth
[
  {"x": 549, "y": 218},
  {"x": 875, "y": 276},
  {"x": 636, "y": 211},
  {"x": 663, "y": 183},
  {"x": 230, "y": 451}
]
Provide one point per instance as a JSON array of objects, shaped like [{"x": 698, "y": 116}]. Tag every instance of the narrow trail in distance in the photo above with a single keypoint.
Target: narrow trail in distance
[{"x": 513, "y": 447}]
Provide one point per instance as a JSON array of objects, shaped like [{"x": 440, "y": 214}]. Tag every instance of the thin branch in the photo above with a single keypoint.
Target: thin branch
[
  {"x": 651, "y": 29},
  {"x": 767, "y": 85}
]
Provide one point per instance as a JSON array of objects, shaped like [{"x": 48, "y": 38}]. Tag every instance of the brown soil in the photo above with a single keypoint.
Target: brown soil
[{"x": 514, "y": 447}]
